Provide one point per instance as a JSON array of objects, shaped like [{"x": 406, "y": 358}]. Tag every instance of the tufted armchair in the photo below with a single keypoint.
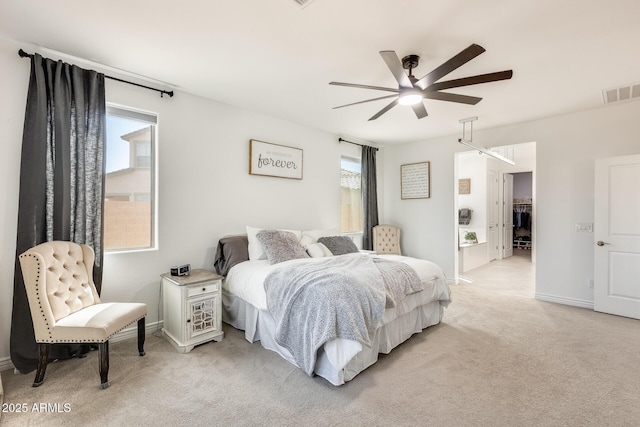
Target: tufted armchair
[
  {"x": 386, "y": 239},
  {"x": 65, "y": 306}
]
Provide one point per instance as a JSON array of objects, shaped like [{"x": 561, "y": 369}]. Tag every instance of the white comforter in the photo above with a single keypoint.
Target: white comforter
[{"x": 246, "y": 280}]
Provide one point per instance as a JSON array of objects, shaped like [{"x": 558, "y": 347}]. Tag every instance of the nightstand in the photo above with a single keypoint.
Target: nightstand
[{"x": 192, "y": 307}]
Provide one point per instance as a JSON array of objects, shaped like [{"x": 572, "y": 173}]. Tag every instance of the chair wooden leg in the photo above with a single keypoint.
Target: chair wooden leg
[
  {"x": 103, "y": 349},
  {"x": 43, "y": 357},
  {"x": 141, "y": 336}
]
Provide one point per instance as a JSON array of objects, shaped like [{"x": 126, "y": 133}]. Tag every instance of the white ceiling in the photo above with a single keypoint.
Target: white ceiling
[{"x": 275, "y": 57}]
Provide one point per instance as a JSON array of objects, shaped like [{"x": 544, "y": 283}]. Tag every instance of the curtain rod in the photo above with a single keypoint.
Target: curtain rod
[
  {"x": 355, "y": 143},
  {"x": 24, "y": 54}
]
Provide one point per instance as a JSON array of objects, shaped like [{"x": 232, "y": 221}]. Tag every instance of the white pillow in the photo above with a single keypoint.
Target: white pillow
[
  {"x": 318, "y": 250},
  {"x": 312, "y": 236},
  {"x": 256, "y": 251}
]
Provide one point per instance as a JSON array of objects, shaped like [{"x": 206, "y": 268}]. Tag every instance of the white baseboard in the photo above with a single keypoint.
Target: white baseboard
[
  {"x": 130, "y": 332},
  {"x": 564, "y": 300},
  {"x": 5, "y": 364}
]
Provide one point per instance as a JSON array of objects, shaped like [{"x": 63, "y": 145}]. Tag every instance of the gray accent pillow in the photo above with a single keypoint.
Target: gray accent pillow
[
  {"x": 231, "y": 250},
  {"x": 281, "y": 246},
  {"x": 339, "y": 245}
]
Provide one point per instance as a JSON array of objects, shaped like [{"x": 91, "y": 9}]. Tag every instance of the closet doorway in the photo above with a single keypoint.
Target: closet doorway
[
  {"x": 495, "y": 206},
  {"x": 520, "y": 239}
]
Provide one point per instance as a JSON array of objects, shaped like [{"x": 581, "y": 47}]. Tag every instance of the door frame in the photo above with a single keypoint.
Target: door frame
[
  {"x": 527, "y": 167},
  {"x": 533, "y": 208},
  {"x": 615, "y": 243},
  {"x": 504, "y": 235}
]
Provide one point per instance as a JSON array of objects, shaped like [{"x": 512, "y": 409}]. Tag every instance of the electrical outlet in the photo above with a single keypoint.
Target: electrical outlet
[{"x": 590, "y": 283}]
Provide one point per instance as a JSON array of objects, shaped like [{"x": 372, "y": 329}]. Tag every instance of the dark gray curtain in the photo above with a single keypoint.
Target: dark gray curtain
[
  {"x": 369, "y": 187},
  {"x": 61, "y": 181}
]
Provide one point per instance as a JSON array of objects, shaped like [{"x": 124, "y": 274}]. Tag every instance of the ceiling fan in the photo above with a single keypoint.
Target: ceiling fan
[{"x": 411, "y": 91}]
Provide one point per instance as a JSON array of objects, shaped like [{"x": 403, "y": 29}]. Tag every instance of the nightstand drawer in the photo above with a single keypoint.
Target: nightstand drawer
[{"x": 205, "y": 288}]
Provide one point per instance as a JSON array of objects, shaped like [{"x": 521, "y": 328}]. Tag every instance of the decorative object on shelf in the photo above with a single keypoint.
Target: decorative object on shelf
[
  {"x": 470, "y": 237},
  {"x": 523, "y": 201},
  {"x": 464, "y": 186},
  {"x": 464, "y": 216},
  {"x": 415, "y": 182},
  {"x": 274, "y": 160}
]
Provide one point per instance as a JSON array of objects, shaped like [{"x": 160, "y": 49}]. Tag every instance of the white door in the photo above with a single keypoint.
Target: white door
[
  {"x": 494, "y": 214},
  {"x": 617, "y": 236},
  {"x": 507, "y": 215}
]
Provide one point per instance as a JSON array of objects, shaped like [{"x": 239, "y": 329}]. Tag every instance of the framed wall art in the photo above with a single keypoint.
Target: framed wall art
[
  {"x": 414, "y": 181},
  {"x": 274, "y": 160},
  {"x": 464, "y": 186}
]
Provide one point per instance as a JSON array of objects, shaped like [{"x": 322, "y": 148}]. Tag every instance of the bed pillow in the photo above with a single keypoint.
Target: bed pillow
[
  {"x": 318, "y": 250},
  {"x": 256, "y": 251},
  {"x": 339, "y": 245},
  {"x": 312, "y": 236},
  {"x": 231, "y": 250},
  {"x": 281, "y": 246}
]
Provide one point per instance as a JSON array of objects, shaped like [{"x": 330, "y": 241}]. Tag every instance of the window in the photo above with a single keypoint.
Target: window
[
  {"x": 129, "y": 208},
  {"x": 351, "y": 195},
  {"x": 143, "y": 154}
]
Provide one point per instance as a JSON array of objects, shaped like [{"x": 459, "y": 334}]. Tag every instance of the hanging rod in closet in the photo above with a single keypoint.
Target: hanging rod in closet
[{"x": 24, "y": 54}]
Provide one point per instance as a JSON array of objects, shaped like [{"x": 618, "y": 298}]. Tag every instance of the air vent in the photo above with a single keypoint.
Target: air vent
[
  {"x": 303, "y": 3},
  {"x": 623, "y": 93}
]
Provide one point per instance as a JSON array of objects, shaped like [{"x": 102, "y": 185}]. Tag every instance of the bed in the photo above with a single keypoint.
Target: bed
[{"x": 321, "y": 304}]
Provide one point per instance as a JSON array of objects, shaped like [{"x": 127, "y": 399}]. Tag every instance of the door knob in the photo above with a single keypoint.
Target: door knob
[{"x": 601, "y": 243}]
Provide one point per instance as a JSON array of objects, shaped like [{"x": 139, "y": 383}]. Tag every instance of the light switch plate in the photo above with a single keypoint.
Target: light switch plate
[{"x": 584, "y": 227}]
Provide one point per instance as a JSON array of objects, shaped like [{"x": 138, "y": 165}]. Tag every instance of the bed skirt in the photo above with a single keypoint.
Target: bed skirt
[{"x": 394, "y": 329}]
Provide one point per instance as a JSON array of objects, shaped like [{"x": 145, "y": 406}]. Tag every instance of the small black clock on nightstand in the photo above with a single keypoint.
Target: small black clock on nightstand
[{"x": 181, "y": 270}]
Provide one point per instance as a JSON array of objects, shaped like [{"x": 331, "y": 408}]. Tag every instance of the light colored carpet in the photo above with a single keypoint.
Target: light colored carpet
[{"x": 500, "y": 358}]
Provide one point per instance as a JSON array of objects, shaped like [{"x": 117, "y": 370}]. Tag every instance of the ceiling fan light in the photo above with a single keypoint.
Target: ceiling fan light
[{"x": 410, "y": 98}]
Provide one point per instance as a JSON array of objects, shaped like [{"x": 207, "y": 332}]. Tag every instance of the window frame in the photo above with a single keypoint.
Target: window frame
[
  {"x": 357, "y": 160},
  {"x": 150, "y": 118}
]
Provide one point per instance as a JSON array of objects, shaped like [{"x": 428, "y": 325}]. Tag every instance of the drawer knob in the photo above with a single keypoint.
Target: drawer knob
[{"x": 204, "y": 289}]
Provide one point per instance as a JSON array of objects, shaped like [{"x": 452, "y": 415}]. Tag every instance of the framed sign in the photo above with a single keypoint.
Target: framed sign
[
  {"x": 464, "y": 186},
  {"x": 274, "y": 160},
  {"x": 414, "y": 181}
]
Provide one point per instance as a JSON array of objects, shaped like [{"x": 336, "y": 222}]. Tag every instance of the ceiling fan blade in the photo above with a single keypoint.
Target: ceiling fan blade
[
  {"x": 368, "y": 100},
  {"x": 388, "y": 89},
  {"x": 473, "y": 80},
  {"x": 452, "y": 97},
  {"x": 384, "y": 110},
  {"x": 457, "y": 61},
  {"x": 419, "y": 109},
  {"x": 395, "y": 66}
]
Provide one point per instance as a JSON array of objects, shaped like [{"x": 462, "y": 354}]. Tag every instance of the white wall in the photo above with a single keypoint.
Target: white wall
[
  {"x": 204, "y": 188},
  {"x": 522, "y": 185},
  {"x": 566, "y": 148},
  {"x": 474, "y": 167}
]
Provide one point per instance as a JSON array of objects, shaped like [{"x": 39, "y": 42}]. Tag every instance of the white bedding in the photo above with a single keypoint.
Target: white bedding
[{"x": 245, "y": 281}]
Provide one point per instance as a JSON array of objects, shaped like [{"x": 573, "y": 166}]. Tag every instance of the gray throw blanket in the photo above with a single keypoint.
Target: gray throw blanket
[{"x": 340, "y": 297}]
